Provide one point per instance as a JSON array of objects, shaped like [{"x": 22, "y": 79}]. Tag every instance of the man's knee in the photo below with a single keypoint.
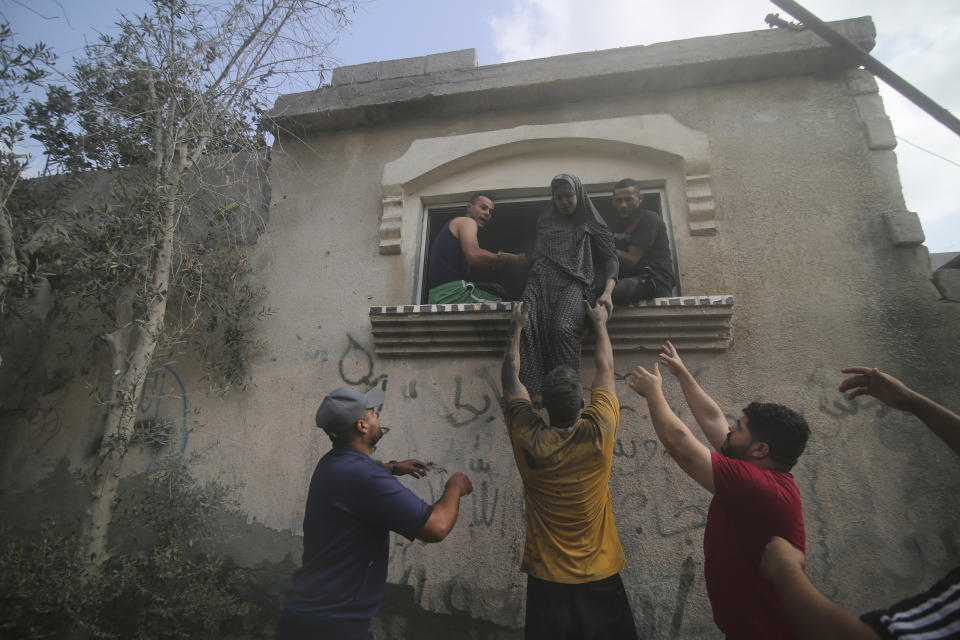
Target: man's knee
[
  {"x": 635, "y": 289},
  {"x": 627, "y": 291}
]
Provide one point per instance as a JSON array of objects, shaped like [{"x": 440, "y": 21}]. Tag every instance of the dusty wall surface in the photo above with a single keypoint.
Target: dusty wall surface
[{"x": 801, "y": 209}]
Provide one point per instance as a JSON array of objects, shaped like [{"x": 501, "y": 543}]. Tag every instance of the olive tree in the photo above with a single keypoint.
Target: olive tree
[
  {"x": 147, "y": 106},
  {"x": 21, "y": 67}
]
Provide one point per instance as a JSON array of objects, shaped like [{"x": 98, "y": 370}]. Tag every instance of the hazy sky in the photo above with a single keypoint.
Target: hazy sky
[{"x": 919, "y": 41}]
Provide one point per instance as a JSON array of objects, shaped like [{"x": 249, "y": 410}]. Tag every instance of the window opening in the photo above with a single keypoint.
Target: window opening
[{"x": 513, "y": 229}]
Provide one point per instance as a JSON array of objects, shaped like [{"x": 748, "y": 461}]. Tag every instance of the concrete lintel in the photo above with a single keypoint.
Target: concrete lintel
[{"x": 667, "y": 66}]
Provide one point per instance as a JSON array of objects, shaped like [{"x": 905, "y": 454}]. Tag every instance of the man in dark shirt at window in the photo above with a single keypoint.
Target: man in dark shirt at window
[
  {"x": 456, "y": 249},
  {"x": 646, "y": 268}
]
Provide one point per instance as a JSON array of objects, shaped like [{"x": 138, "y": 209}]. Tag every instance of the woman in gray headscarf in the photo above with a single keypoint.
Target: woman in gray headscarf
[{"x": 574, "y": 260}]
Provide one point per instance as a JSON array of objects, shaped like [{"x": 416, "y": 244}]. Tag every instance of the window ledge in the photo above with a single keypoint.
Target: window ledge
[{"x": 692, "y": 323}]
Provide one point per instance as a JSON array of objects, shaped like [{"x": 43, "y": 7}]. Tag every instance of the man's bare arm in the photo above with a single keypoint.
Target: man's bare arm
[
  {"x": 411, "y": 467},
  {"x": 706, "y": 412},
  {"x": 513, "y": 389},
  {"x": 812, "y": 615},
  {"x": 691, "y": 454},
  {"x": 603, "y": 352},
  {"x": 446, "y": 509},
  {"x": 465, "y": 229},
  {"x": 890, "y": 391},
  {"x": 631, "y": 257}
]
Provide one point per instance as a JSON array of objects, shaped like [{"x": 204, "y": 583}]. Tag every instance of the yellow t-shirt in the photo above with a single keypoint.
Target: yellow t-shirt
[{"x": 571, "y": 537}]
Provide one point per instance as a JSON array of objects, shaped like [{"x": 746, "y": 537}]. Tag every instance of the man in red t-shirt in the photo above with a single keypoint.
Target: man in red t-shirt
[{"x": 753, "y": 494}]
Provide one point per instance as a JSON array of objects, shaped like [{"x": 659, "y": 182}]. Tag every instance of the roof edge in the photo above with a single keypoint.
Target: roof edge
[{"x": 381, "y": 96}]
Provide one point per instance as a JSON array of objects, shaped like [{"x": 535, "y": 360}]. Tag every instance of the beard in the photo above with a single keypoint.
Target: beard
[
  {"x": 732, "y": 451},
  {"x": 381, "y": 431}
]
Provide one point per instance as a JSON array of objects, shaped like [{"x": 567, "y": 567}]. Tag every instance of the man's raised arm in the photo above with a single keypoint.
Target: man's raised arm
[
  {"x": 706, "y": 412},
  {"x": 691, "y": 454},
  {"x": 513, "y": 389},
  {"x": 893, "y": 393},
  {"x": 603, "y": 351}
]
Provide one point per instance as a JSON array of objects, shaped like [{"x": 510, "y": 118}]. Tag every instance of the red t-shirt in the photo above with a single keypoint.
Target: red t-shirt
[{"x": 750, "y": 505}]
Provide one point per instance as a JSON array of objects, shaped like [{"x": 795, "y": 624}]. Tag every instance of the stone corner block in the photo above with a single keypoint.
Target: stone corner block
[
  {"x": 880, "y": 135},
  {"x": 947, "y": 282},
  {"x": 706, "y": 228},
  {"x": 877, "y": 125},
  {"x": 861, "y": 81},
  {"x": 904, "y": 227}
]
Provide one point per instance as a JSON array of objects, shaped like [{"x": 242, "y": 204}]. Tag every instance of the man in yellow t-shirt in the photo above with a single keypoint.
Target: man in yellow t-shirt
[{"x": 572, "y": 554}]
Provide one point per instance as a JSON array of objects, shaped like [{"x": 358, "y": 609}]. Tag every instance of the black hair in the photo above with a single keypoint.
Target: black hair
[
  {"x": 473, "y": 199},
  {"x": 784, "y": 430},
  {"x": 627, "y": 183},
  {"x": 562, "y": 396}
]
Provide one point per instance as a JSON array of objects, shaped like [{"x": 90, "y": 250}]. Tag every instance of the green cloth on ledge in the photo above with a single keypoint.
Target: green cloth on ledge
[{"x": 457, "y": 292}]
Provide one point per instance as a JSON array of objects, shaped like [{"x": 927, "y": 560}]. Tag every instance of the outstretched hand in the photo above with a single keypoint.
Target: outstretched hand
[
  {"x": 606, "y": 301},
  {"x": 461, "y": 483},
  {"x": 521, "y": 311},
  {"x": 598, "y": 314},
  {"x": 671, "y": 359},
  {"x": 411, "y": 467},
  {"x": 645, "y": 383},
  {"x": 876, "y": 383}
]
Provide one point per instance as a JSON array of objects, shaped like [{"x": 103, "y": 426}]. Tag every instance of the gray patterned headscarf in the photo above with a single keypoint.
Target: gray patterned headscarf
[{"x": 569, "y": 241}]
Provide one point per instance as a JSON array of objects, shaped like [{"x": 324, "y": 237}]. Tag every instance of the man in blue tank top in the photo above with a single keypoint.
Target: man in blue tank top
[{"x": 456, "y": 249}]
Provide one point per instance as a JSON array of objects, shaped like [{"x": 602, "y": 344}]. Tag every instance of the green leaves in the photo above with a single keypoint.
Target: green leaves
[{"x": 166, "y": 586}]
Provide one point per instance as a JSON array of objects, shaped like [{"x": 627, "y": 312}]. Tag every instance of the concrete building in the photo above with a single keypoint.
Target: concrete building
[{"x": 771, "y": 158}]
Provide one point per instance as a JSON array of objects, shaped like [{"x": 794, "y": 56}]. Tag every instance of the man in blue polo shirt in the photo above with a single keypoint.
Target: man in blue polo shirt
[{"x": 353, "y": 504}]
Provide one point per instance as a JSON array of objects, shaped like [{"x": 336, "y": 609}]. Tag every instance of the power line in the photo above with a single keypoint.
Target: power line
[{"x": 937, "y": 155}]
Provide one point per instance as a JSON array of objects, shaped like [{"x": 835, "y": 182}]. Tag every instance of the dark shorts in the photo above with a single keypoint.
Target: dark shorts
[
  {"x": 642, "y": 286},
  {"x": 932, "y": 614},
  {"x": 587, "y": 611},
  {"x": 293, "y": 627}
]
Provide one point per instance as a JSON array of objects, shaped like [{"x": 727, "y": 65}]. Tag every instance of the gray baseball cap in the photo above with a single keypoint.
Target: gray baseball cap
[{"x": 343, "y": 407}]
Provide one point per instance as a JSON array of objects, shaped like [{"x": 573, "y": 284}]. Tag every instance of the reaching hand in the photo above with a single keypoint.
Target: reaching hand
[
  {"x": 780, "y": 557},
  {"x": 598, "y": 315},
  {"x": 518, "y": 260},
  {"x": 413, "y": 468},
  {"x": 521, "y": 311},
  {"x": 671, "y": 359},
  {"x": 461, "y": 482},
  {"x": 606, "y": 301},
  {"x": 884, "y": 387},
  {"x": 644, "y": 382}
]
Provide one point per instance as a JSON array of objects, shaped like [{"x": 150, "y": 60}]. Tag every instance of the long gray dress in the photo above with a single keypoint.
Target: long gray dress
[{"x": 575, "y": 256}]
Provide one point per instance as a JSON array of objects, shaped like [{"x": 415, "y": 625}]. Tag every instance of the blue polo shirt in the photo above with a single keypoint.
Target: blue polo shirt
[{"x": 353, "y": 505}]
